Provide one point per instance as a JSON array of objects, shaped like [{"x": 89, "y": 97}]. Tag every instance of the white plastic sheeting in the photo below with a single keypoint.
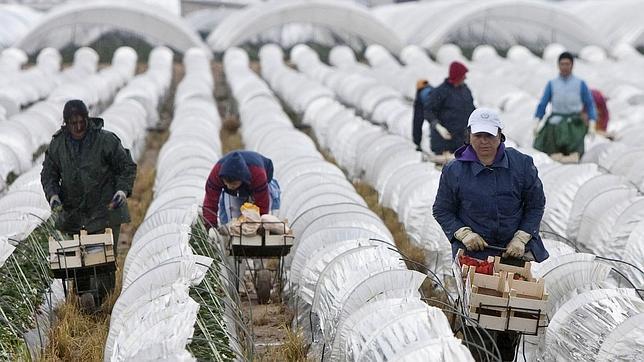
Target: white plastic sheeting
[
  {"x": 84, "y": 22},
  {"x": 561, "y": 183},
  {"x": 620, "y": 21},
  {"x": 357, "y": 86},
  {"x": 620, "y": 158},
  {"x": 342, "y": 17},
  {"x": 404, "y": 183},
  {"x": 22, "y": 87},
  {"x": 567, "y": 273},
  {"x": 136, "y": 104},
  {"x": 503, "y": 23},
  {"x": 24, "y": 206},
  {"x": 16, "y": 21},
  {"x": 25, "y": 132},
  {"x": 149, "y": 317},
  {"x": 582, "y": 326},
  {"x": 600, "y": 212},
  {"x": 592, "y": 188},
  {"x": 154, "y": 316},
  {"x": 343, "y": 257}
]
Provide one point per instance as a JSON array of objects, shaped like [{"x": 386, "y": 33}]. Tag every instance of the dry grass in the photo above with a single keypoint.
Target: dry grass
[
  {"x": 77, "y": 336},
  {"x": 390, "y": 218},
  {"x": 293, "y": 349},
  {"x": 229, "y": 135}
]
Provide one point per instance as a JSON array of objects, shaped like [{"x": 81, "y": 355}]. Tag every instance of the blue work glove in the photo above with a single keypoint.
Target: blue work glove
[
  {"x": 55, "y": 204},
  {"x": 118, "y": 199}
]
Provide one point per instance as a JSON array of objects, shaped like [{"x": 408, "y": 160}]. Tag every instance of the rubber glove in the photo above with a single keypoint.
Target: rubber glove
[
  {"x": 516, "y": 246},
  {"x": 212, "y": 234},
  {"x": 592, "y": 128},
  {"x": 443, "y": 132},
  {"x": 118, "y": 199},
  {"x": 223, "y": 230},
  {"x": 471, "y": 240},
  {"x": 538, "y": 125},
  {"x": 55, "y": 204}
]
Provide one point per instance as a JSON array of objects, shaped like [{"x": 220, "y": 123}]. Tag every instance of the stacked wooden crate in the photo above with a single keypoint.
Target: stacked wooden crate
[
  {"x": 82, "y": 251},
  {"x": 501, "y": 302}
]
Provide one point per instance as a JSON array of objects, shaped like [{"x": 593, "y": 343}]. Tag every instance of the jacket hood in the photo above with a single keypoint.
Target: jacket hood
[
  {"x": 234, "y": 167},
  {"x": 95, "y": 123}
]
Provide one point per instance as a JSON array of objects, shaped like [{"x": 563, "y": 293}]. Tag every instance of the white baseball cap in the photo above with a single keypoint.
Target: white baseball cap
[{"x": 485, "y": 120}]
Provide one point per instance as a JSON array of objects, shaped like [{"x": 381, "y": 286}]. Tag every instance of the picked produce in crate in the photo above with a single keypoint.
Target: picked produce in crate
[
  {"x": 508, "y": 298},
  {"x": 483, "y": 267}
]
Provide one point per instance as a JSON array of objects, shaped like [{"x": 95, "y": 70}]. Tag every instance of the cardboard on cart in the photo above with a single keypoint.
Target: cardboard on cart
[
  {"x": 83, "y": 250},
  {"x": 265, "y": 239}
]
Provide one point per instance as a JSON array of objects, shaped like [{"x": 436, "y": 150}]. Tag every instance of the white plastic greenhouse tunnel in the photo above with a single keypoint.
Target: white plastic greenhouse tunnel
[{"x": 326, "y": 90}]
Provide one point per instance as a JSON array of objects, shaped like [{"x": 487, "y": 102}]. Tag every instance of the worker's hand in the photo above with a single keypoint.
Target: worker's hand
[
  {"x": 516, "y": 247},
  {"x": 421, "y": 83},
  {"x": 212, "y": 234},
  {"x": 443, "y": 132},
  {"x": 592, "y": 128},
  {"x": 223, "y": 230},
  {"x": 538, "y": 125},
  {"x": 55, "y": 204},
  {"x": 118, "y": 199},
  {"x": 471, "y": 240}
]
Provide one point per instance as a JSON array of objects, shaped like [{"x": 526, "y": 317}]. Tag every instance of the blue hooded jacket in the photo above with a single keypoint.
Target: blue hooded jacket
[{"x": 494, "y": 201}]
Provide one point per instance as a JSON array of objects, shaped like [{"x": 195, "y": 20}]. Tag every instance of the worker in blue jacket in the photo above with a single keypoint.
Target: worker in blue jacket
[
  {"x": 490, "y": 195},
  {"x": 423, "y": 88},
  {"x": 447, "y": 109}
]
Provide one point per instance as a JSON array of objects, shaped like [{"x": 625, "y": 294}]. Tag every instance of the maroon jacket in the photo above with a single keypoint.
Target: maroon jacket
[{"x": 254, "y": 170}]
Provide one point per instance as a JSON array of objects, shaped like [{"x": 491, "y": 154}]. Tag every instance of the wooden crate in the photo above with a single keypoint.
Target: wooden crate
[
  {"x": 97, "y": 248},
  {"x": 267, "y": 239},
  {"x": 255, "y": 240},
  {"x": 83, "y": 250},
  {"x": 502, "y": 319},
  {"x": 65, "y": 254},
  {"x": 500, "y": 302}
]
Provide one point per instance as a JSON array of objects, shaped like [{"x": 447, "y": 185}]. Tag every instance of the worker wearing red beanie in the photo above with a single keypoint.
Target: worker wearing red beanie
[
  {"x": 447, "y": 109},
  {"x": 457, "y": 72}
]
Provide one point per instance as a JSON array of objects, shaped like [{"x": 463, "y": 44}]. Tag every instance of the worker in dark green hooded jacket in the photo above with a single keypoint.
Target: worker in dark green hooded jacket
[{"x": 87, "y": 174}]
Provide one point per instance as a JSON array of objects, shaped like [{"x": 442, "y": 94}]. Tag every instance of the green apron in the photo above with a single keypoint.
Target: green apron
[{"x": 565, "y": 137}]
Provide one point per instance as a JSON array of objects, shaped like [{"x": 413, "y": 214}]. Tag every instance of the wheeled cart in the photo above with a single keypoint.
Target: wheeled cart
[
  {"x": 259, "y": 249},
  {"x": 86, "y": 264}
]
